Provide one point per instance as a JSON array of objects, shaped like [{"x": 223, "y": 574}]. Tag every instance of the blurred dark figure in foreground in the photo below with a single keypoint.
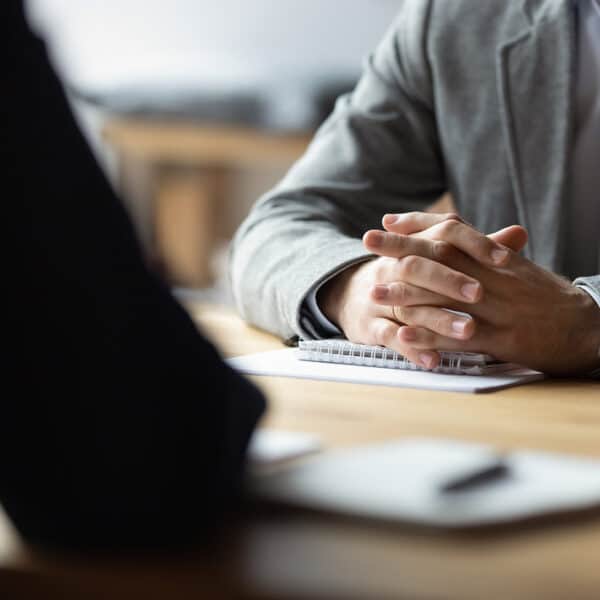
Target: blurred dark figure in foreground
[{"x": 124, "y": 427}]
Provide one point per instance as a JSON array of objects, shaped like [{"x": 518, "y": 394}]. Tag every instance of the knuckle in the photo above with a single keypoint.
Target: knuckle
[
  {"x": 483, "y": 244},
  {"x": 443, "y": 251},
  {"x": 452, "y": 216},
  {"x": 383, "y": 333},
  {"x": 447, "y": 228},
  {"x": 409, "y": 265},
  {"x": 380, "y": 267}
]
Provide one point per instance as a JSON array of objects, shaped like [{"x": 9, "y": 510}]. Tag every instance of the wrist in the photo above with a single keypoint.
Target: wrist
[
  {"x": 588, "y": 339},
  {"x": 331, "y": 298}
]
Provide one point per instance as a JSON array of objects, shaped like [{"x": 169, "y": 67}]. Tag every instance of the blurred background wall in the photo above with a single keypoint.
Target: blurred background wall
[{"x": 271, "y": 67}]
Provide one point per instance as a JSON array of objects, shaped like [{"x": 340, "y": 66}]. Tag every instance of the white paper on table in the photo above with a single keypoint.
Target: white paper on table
[
  {"x": 284, "y": 363},
  {"x": 402, "y": 480}
]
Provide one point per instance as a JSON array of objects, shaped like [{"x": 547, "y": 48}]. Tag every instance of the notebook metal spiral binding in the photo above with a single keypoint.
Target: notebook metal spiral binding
[{"x": 344, "y": 352}]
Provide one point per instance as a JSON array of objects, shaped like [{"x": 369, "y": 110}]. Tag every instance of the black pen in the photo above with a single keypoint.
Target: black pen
[{"x": 490, "y": 473}]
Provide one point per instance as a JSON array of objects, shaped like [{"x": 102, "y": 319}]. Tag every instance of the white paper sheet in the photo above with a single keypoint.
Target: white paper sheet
[
  {"x": 284, "y": 363},
  {"x": 401, "y": 481}
]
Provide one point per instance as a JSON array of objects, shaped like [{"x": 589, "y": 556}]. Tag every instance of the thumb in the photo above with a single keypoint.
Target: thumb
[{"x": 513, "y": 237}]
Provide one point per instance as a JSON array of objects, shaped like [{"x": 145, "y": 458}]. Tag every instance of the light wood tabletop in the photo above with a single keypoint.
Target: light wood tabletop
[{"x": 286, "y": 553}]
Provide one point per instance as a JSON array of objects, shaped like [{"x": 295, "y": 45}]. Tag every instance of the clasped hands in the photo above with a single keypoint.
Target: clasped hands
[{"x": 429, "y": 267}]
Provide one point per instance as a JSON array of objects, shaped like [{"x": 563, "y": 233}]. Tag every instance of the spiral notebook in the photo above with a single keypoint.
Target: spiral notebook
[
  {"x": 338, "y": 360},
  {"x": 345, "y": 352}
]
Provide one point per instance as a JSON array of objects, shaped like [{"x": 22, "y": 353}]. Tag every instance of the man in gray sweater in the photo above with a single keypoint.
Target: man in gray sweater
[{"x": 496, "y": 102}]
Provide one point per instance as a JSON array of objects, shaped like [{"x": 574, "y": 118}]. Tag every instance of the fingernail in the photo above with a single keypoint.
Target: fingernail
[
  {"x": 459, "y": 327},
  {"x": 390, "y": 219},
  {"x": 426, "y": 360},
  {"x": 499, "y": 255},
  {"x": 470, "y": 290},
  {"x": 376, "y": 238},
  {"x": 381, "y": 291}
]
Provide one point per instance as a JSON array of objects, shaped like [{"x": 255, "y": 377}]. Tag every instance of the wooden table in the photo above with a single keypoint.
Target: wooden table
[{"x": 297, "y": 554}]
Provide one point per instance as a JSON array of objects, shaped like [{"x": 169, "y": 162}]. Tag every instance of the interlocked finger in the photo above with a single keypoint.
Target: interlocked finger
[
  {"x": 439, "y": 321},
  {"x": 385, "y": 332},
  {"x": 437, "y": 278},
  {"x": 421, "y": 340},
  {"x": 414, "y": 222},
  {"x": 398, "y": 246},
  {"x": 470, "y": 241},
  {"x": 405, "y": 294},
  {"x": 446, "y": 234}
]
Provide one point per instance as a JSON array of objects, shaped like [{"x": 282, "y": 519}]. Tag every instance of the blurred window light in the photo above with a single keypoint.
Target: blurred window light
[
  {"x": 159, "y": 55},
  {"x": 105, "y": 41}
]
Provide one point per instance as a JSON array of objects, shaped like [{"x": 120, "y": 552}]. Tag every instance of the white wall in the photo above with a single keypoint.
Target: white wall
[{"x": 100, "y": 42}]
